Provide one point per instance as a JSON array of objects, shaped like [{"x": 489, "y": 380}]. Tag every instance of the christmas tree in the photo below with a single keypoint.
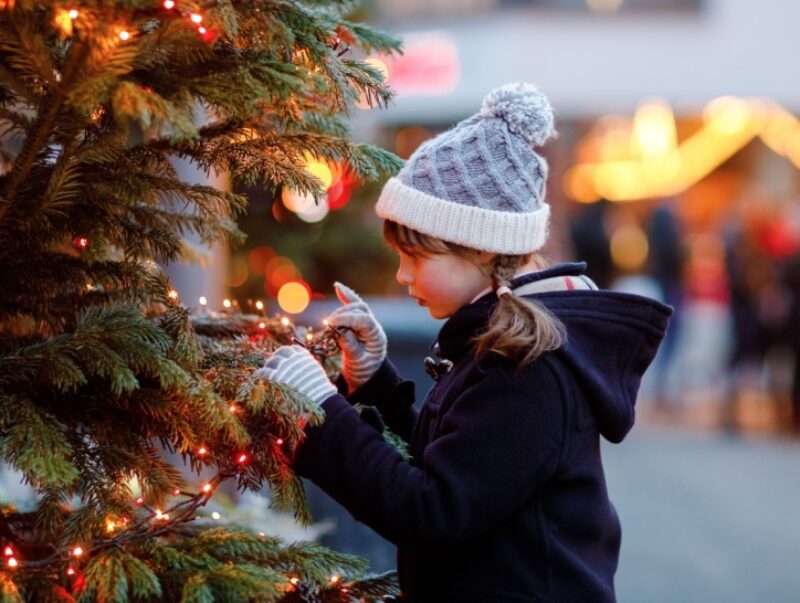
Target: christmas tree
[{"x": 103, "y": 371}]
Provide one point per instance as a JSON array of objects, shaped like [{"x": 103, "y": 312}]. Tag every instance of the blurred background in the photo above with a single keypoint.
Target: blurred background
[{"x": 676, "y": 175}]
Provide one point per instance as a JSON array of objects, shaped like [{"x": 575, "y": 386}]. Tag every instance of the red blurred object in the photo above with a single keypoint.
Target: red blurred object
[
  {"x": 779, "y": 240},
  {"x": 208, "y": 35},
  {"x": 79, "y": 584},
  {"x": 339, "y": 195},
  {"x": 430, "y": 65},
  {"x": 706, "y": 280}
]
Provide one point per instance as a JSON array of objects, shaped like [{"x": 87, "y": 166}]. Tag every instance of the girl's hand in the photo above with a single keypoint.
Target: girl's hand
[
  {"x": 296, "y": 367},
  {"x": 361, "y": 338}
]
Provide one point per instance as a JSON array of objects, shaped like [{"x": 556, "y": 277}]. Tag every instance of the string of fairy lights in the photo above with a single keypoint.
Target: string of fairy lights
[{"x": 66, "y": 17}]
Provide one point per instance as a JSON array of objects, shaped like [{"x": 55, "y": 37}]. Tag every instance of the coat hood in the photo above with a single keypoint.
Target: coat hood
[{"x": 611, "y": 340}]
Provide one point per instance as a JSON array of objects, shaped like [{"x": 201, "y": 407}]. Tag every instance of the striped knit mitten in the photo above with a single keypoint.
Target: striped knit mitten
[
  {"x": 296, "y": 367},
  {"x": 362, "y": 339}
]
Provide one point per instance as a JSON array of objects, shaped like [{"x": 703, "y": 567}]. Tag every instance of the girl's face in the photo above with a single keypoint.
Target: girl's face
[{"x": 442, "y": 282}]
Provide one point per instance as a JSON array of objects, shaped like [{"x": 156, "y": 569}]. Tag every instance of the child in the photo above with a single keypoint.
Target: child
[{"x": 504, "y": 498}]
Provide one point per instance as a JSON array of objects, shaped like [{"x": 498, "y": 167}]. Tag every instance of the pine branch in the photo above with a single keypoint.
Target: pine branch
[{"x": 42, "y": 129}]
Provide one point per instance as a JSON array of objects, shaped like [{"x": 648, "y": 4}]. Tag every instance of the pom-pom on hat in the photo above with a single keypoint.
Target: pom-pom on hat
[{"x": 480, "y": 184}]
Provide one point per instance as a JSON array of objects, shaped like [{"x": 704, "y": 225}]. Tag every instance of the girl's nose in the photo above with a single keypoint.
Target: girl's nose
[{"x": 404, "y": 276}]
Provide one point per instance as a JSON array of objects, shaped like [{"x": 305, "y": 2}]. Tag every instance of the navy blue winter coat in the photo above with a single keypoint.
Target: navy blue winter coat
[{"x": 504, "y": 498}]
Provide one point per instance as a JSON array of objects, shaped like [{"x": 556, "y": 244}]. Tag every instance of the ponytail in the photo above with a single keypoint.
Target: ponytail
[{"x": 518, "y": 328}]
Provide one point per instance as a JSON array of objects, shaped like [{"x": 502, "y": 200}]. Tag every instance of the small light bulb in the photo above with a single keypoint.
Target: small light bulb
[
  {"x": 294, "y": 580},
  {"x": 226, "y": 303},
  {"x": 203, "y": 301},
  {"x": 173, "y": 294},
  {"x": 285, "y": 321},
  {"x": 70, "y": 571},
  {"x": 111, "y": 525},
  {"x": 196, "y": 18},
  {"x": 12, "y": 562},
  {"x": 73, "y": 14},
  {"x": 8, "y": 551},
  {"x": 169, "y": 4},
  {"x": 280, "y": 441},
  {"x": 326, "y": 322},
  {"x": 262, "y": 535},
  {"x": 215, "y": 515},
  {"x": 176, "y": 492},
  {"x": 232, "y": 408},
  {"x": 124, "y": 35},
  {"x": 139, "y": 500},
  {"x": 202, "y": 450},
  {"x": 309, "y": 337},
  {"x": 202, "y": 29},
  {"x": 334, "y": 579},
  {"x": 242, "y": 458},
  {"x": 262, "y": 325},
  {"x": 259, "y": 305},
  {"x": 77, "y": 551},
  {"x": 207, "y": 488}
]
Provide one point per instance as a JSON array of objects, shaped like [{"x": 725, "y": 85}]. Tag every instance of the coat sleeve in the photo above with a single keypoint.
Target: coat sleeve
[
  {"x": 498, "y": 443},
  {"x": 390, "y": 394}
]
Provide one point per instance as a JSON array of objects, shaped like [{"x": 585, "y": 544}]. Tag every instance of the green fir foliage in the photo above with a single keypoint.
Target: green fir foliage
[{"x": 103, "y": 373}]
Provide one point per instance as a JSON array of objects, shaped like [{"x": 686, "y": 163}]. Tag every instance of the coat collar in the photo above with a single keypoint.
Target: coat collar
[{"x": 454, "y": 336}]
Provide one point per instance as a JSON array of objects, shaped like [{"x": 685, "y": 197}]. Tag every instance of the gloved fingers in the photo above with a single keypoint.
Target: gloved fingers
[
  {"x": 356, "y": 308},
  {"x": 295, "y": 367},
  {"x": 348, "y": 341},
  {"x": 319, "y": 389},
  {"x": 360, "y": 323},
  {"x": 345, "y": 294},
  {"x": 282, "y": 355},
  {"x": 374, "y": 347}
]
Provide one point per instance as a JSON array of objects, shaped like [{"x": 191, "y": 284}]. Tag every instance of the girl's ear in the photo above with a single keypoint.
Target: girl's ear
[{"x": 485, "y": 258}]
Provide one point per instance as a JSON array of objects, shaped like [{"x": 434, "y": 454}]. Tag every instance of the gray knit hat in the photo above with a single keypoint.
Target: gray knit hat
[{"x": 480, "y": 184}]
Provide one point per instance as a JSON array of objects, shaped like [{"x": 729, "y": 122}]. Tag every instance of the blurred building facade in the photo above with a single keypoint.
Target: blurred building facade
[{"x": 590, "y": 62}]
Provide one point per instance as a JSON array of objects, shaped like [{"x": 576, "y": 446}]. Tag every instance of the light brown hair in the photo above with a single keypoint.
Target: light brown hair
[{"x": 518, "y": 328}]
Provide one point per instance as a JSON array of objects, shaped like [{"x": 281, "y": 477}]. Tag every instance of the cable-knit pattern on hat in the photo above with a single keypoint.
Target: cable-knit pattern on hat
[{"x": 485, "y": 162}]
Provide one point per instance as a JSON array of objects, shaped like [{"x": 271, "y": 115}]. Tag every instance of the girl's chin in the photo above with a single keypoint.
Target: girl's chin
[{"x": 438, "y": 313}]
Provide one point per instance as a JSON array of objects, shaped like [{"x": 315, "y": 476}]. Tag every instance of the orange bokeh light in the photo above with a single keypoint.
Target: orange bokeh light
[
  {"x": 259, "y": 257},
  {"x": 294, "y": 297}
]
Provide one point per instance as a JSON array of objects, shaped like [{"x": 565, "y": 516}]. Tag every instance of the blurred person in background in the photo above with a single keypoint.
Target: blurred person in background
[
  {"x": 590, "y": 241},
  {"x": 759, "y": 252},
  {"x": 665, "y": 265}
]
